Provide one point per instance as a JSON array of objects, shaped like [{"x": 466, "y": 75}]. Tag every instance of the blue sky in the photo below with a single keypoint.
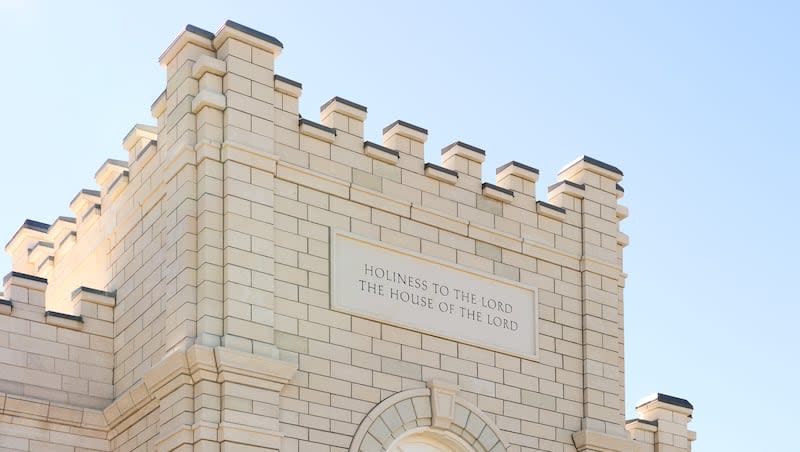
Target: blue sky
[{"x": 697, "y": 102}]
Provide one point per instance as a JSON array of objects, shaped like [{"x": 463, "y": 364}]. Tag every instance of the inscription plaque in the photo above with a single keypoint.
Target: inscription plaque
[{"x": 410, "y": 290}]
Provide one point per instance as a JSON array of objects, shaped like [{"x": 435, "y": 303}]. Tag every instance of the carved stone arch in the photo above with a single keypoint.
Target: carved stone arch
[{"x": 437, "y": 410}]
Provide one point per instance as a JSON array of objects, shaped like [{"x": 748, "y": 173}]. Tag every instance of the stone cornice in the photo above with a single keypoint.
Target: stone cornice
[
  {"x": 590, "y": 441},
  {"x": 194, "y": 364},
  {"x": 252, "y": 369},
  {"x": 47, "y": 411}
]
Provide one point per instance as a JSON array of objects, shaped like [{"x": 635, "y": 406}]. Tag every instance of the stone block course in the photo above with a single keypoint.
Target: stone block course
[{"x": 216, "y": 331}]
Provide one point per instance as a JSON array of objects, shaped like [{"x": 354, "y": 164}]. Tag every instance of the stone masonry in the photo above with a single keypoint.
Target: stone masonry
[{"x": 186, "y": 304}]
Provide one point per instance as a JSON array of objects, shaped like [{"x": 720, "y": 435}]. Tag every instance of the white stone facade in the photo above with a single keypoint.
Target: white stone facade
[{"x": 188, "y": 303}]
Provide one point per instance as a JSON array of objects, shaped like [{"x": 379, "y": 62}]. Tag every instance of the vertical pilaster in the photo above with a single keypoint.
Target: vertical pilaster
[
  {"x": 178, "y": 174},
  {"x": 177, "y": 139},
  {"x": 206, "y": 393},
  {"x": 600, "y": 273},
  {"x": 248, "y": 168},
  {"x": 251, "y": 375},
  {"x": 209, "y": 105},
  {"x": 250, "y": 388},
  {"x": 170, "y": 382}
]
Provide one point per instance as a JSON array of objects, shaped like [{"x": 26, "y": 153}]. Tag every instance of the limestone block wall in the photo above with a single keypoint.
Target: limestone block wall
[
  {"x": 196, "y": 282},
  {"x": 55, "y": 369},
  {"x": 564, "y": 247},
  {"x": 55, "y": 356}
]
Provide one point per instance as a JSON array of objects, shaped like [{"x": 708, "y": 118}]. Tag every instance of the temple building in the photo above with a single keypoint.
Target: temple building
[{"x": 249, "y": 279}]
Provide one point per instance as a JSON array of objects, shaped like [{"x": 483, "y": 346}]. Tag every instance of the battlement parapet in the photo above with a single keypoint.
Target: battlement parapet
[
  {"x": 203, "y": 266},
  {"x": 215, "y": 78},
  {"x": 66, "y": 357},
  {"x": 663, "y": 422}
]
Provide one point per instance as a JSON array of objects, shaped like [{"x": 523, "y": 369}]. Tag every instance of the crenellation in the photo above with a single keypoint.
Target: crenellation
[
  {"x": 466, "y": 160},
  {"x": 566, "y": 187},
  {"x": 458, "y": 155},
  {"x": 188, "y": 45},
  {"x": 381, "y": 153},
  {"x": 139, "y": 137},
  {"x": 518, "y": 177},
  {"x": 63, "y": 320},
  {"x": 589, "y": 170},
  {"x": 84, "y": 204},
  {"x": 109, "y": 176},
  {"x": 67, "y": 242},
  {"x": 318, "y": 131},
  {"x": 89, "y": 216},
  {"x": 212, "y": 326},
  {"x": 250, "y": 37},
  {"x": 441, "y": 173},
  {"x": 551, "y": 211},
  {"x": 51, "y": 337},
  {"x": 45, "y": 268},
  {"x": 288, "y": 86},
  {"x": 344, "y": 115},
  {"x": 408, "y": 139},
  {"x": 58, "y": 232},
  {"x": 662, "y": 423},
  {"x": 118, "y": 185},
  {"x": 30, "y": 233},
  {"x": 569, "y": 196},
  {"x": 25, "y": 288},
  {"x": 40, "y": 253},
  {"x": 143, "y": 157},
  {"x": 498, "y": 193}
]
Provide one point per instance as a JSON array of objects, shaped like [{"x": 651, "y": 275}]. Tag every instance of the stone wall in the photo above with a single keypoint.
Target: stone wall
[{"x": 187, "y": 305}]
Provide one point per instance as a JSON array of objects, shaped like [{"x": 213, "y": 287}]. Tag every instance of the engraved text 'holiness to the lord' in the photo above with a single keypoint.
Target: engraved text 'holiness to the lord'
[{"x": 425, "y": 294}]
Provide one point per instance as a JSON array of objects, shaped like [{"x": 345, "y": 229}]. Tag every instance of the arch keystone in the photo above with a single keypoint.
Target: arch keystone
[{"x": 443, "y": 402}]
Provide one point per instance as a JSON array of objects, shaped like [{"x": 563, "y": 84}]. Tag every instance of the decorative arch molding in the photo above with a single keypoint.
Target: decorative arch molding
[
  {"x": 424, "y": 438},
  {"x": 436, "y": 409}
]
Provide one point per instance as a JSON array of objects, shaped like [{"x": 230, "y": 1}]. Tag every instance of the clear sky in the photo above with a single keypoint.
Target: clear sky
[{"x": 697, "y": 102}]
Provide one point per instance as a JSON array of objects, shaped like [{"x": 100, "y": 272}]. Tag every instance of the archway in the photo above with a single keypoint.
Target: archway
[
  {"x": 429, "y": 440},
  {"x": 429, "y": 419}
]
